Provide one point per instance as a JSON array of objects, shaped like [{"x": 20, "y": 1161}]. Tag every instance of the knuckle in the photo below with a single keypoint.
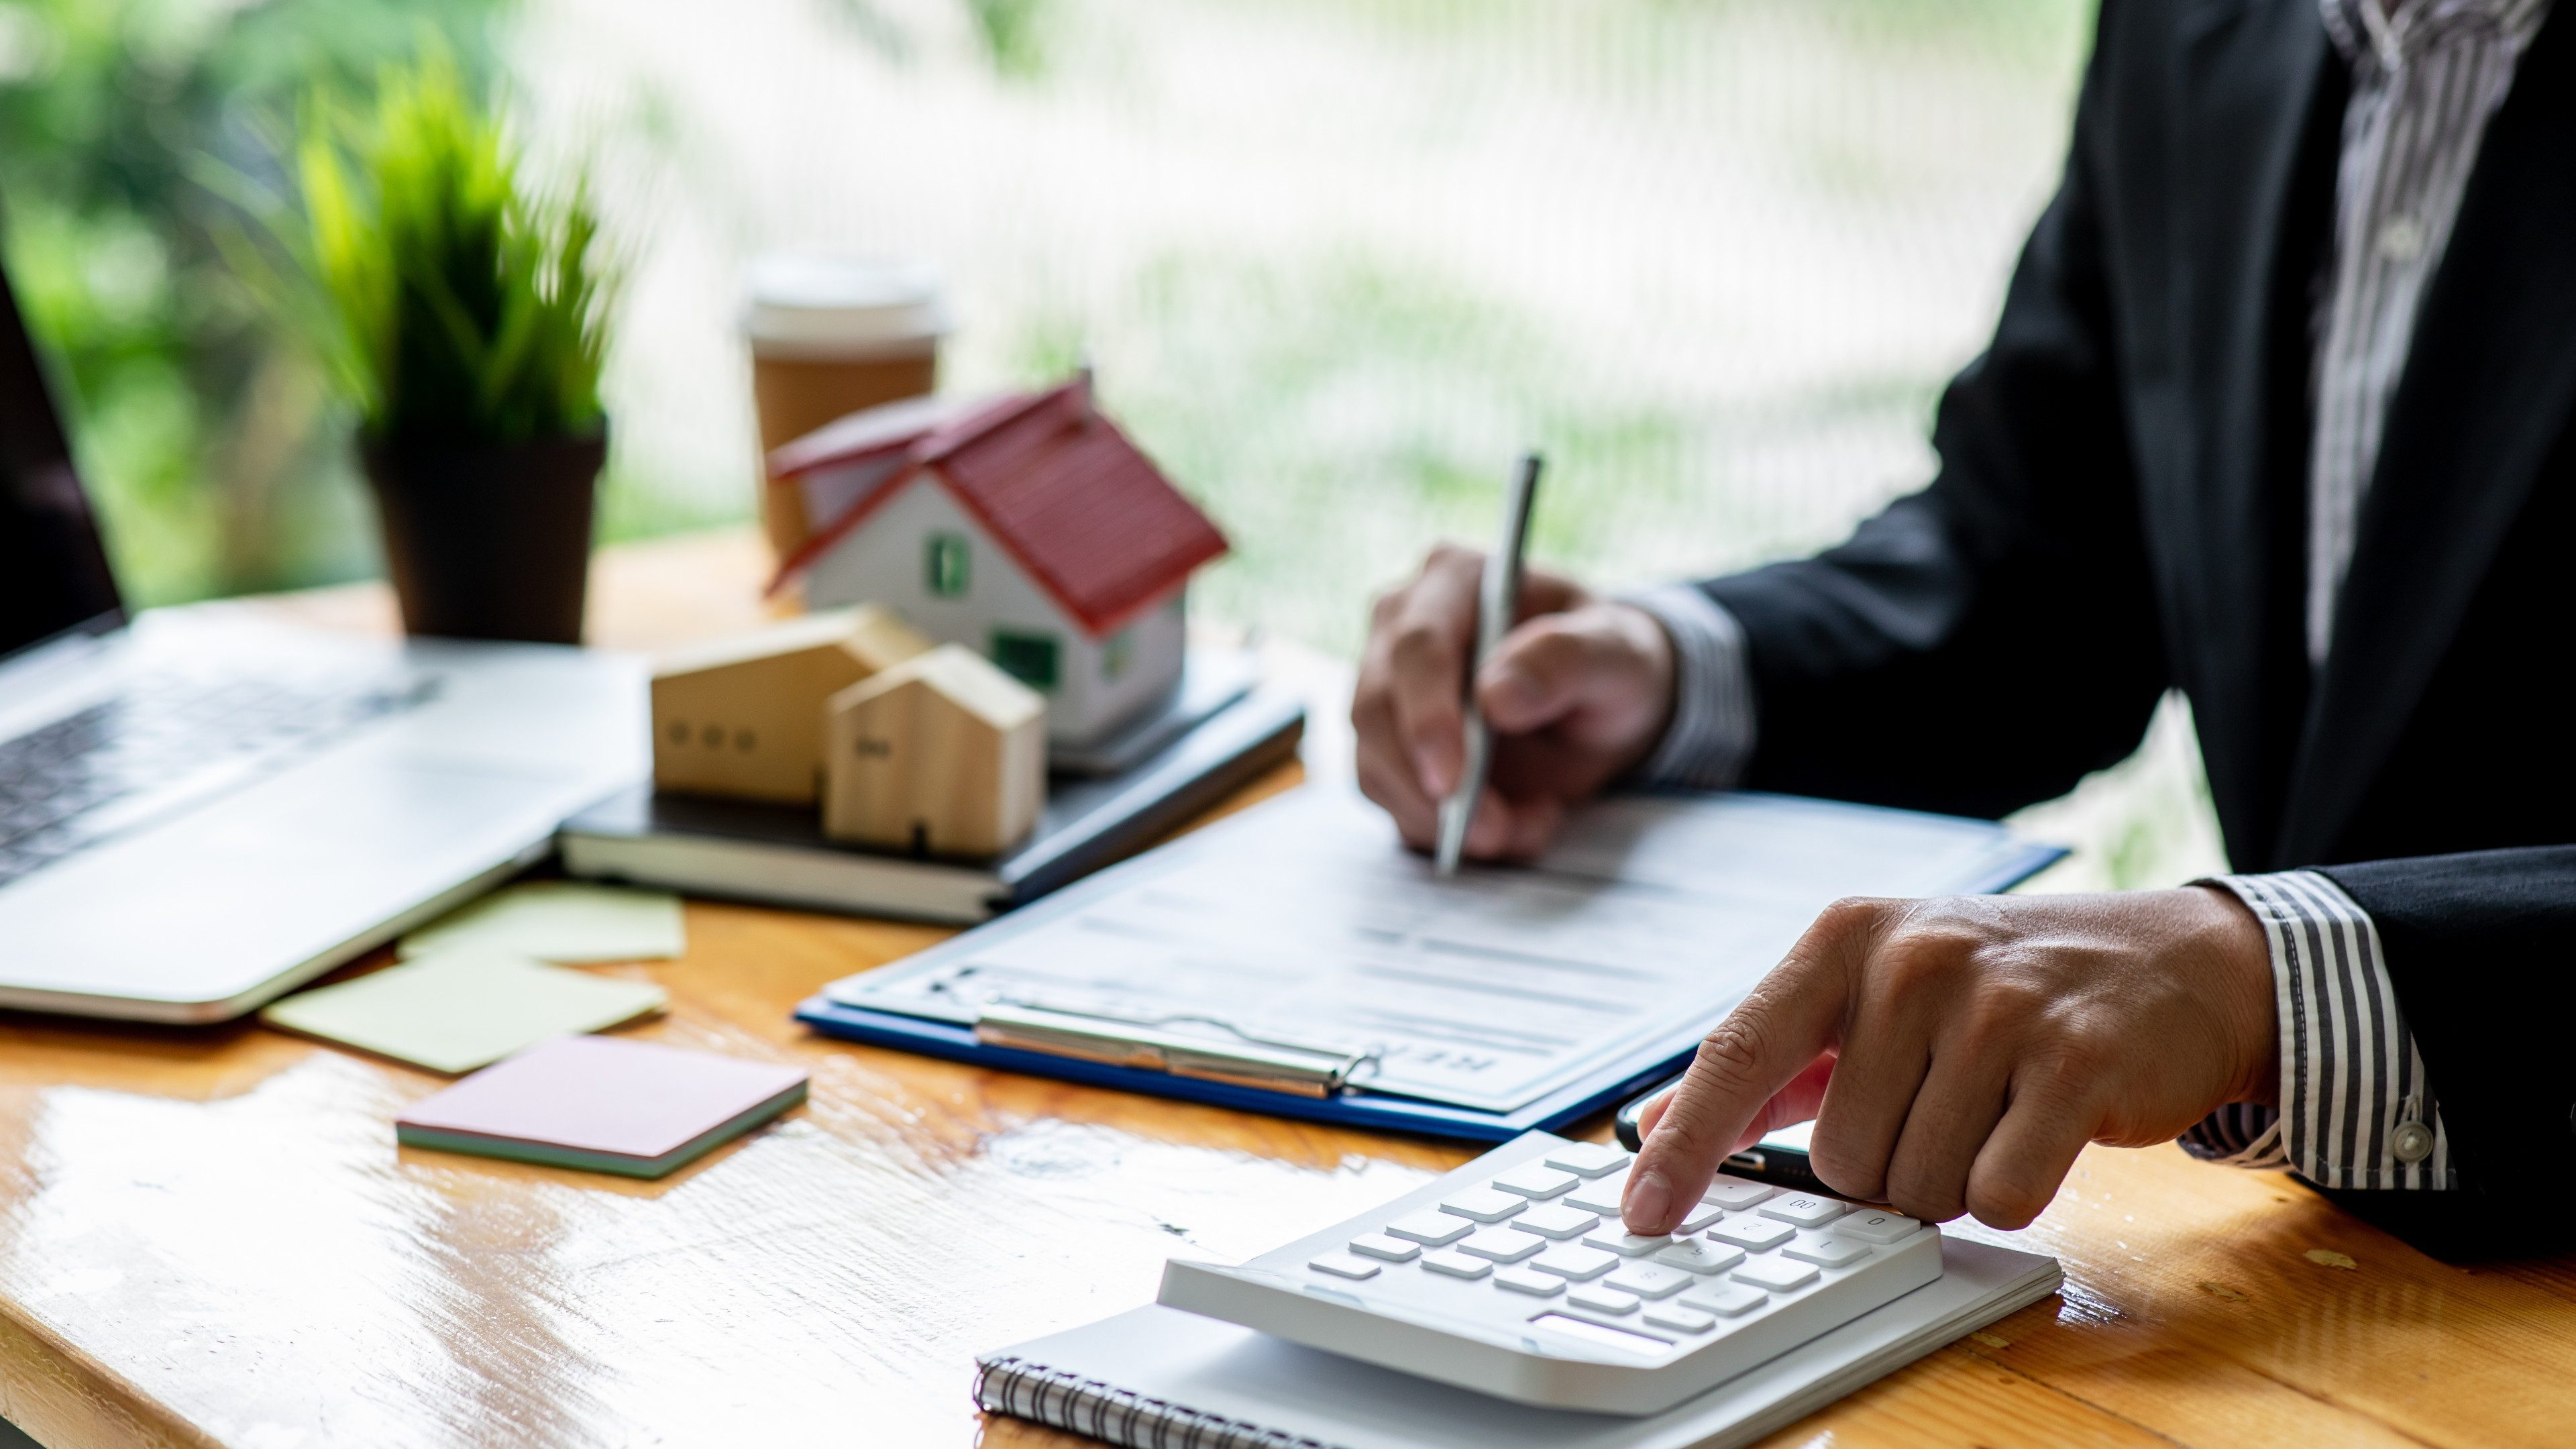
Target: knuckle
[
  {"x": 1851, "y": 913},
  {"x": 1842, "y": 1165},
  {"x": 1837, "y": 927},
  {"x": 2003, "y": 1203},
  {"x": 1417, "y": 647},
  {"x": 2073, "y": 1050},
  {"x": 1369, "y": 706},
  {"x": 2004, "y": 1006},
  {"x": 1730, "y": 1056},
  {"x": 1920, "y": 1193},
  {"x": 1912, "y": 963}
]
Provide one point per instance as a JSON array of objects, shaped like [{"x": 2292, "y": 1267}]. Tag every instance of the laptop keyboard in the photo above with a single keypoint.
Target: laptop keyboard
[{"x": 164, "y": 742}]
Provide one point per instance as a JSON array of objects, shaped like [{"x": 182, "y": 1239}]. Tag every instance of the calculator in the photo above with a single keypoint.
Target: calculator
[{"x": 1513, "y": 1276}]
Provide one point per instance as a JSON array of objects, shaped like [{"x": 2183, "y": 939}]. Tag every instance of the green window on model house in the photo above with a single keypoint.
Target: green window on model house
[
  {"x": 944, "y": 565},
  {"x": 1116, "y": 653},
  {"x": 1030, "y": 658}
]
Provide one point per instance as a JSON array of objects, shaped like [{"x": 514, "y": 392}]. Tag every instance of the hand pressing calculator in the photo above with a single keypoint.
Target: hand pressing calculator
[{"x": 1513, "y": 1276}]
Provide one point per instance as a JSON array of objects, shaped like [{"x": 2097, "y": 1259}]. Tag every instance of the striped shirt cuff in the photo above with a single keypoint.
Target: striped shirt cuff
[
  {"x": 2355, "y": 1109},
  {"x": 1711, "y": 736}
]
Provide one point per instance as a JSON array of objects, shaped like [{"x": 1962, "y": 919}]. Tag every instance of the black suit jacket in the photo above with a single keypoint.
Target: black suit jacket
[{"x": 2121, "y": 508}]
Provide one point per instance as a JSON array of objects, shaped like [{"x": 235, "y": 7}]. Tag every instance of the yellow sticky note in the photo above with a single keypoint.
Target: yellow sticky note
[
  {"x": 454, "y": 1013},
  {"x": 558, "y": 920}
]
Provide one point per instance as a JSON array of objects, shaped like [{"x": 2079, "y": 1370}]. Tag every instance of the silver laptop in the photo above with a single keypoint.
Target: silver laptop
[{"x": 200, "y": 809}]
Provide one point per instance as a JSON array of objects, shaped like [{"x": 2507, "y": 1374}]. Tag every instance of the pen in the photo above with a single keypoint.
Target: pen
[{"x": 1498, "y": 600}]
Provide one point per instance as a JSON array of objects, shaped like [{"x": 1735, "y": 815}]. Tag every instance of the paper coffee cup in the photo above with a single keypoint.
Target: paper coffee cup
[{"x": 831, "y": 336}]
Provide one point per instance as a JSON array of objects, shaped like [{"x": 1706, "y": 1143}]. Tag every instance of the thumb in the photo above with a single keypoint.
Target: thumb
[{"x": 1547, "y": 669}]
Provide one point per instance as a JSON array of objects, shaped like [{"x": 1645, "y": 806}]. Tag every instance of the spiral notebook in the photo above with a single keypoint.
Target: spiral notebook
[{"x": 1156, "y": 1377}]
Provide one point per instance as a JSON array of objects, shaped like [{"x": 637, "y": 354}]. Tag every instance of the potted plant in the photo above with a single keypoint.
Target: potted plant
[{"x": 462, "y": 314}]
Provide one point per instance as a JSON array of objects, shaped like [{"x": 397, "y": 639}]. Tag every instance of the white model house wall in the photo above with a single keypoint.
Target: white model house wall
[{"x": 1100, "y": 683}]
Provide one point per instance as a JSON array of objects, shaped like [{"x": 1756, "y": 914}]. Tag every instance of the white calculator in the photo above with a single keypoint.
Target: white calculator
[{"x": 1513, "y": 1276}]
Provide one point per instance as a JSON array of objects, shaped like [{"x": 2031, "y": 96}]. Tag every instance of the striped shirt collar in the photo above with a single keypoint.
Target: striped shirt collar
[{"x": 2387, "y": 31}]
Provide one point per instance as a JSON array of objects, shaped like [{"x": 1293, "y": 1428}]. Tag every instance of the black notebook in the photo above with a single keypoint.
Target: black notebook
[{"x": 777, "y": 854}]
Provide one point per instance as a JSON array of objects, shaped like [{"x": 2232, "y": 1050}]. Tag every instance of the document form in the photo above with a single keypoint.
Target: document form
[{"x": 1305, "y": 923}]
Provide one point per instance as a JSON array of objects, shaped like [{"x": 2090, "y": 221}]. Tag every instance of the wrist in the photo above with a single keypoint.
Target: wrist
[
  {"x": 1651, "y": 643},
  {"x": 2238, "y": 953}
]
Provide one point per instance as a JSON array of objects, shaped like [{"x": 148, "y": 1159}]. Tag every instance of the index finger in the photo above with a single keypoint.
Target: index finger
[
  {"x": 1427, "y": 642},
  {"x": 1763, "y": 1045}
]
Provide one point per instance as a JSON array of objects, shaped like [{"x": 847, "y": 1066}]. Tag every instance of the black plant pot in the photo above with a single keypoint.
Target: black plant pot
[{"x": 489, "y": 541}]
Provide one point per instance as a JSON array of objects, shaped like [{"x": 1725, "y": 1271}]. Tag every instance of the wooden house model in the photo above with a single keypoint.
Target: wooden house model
[
  {"x": 745, "y": 716},
  {"x": 943, "y": 754},
  {"x": 1026, "y": 528}
]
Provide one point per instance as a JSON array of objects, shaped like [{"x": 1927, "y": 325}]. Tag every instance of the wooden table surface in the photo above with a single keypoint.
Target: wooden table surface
[{"x": 210, "y": 1237}]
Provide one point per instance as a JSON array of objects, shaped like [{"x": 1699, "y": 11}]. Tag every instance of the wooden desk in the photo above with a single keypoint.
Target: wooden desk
[{"x": 211, "y": 1238}]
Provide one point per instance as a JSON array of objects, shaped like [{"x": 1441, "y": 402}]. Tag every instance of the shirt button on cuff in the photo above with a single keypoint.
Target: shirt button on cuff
[{"x": 2412, "y": 1142}]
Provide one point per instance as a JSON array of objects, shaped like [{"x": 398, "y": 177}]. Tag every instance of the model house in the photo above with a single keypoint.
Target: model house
[
  {"x": 1027, "y": 528},
  {"x": 745, "y": 716},
  {"x": 943, "y": 754}
]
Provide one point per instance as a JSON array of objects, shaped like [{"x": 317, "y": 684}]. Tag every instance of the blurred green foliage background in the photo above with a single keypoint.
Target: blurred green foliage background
[
  {"x": 205, "y": 434},
  {"x": 1336, "y": 261}
]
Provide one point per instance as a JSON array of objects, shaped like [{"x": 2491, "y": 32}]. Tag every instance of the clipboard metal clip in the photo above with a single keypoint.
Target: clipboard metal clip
[{"x": 1271, "y": 1066}]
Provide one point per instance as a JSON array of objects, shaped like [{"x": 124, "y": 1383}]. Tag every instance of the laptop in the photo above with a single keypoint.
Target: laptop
[{"x": 202, "y": 808}]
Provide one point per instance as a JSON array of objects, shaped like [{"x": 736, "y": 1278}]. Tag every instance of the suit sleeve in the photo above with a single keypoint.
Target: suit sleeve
[
  {"x": 2356, "y": 1109},
  {"x": 1985, "y": 642},
  {"x": 2478, "y": 948}
]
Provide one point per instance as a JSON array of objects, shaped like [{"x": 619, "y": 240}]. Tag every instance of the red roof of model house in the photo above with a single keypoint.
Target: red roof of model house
[{"x": 1055, "y": 483}]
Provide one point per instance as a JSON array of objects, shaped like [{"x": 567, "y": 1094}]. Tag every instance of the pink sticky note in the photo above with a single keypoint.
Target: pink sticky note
[{"x": 597, "y": 1094}]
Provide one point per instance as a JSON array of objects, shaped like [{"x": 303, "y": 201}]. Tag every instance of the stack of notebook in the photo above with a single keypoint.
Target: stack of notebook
[{"x": 1219, "y": 733}]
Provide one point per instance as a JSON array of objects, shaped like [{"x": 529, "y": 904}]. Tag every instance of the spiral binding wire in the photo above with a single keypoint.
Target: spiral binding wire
[{"x": 1025, "y": 1390}]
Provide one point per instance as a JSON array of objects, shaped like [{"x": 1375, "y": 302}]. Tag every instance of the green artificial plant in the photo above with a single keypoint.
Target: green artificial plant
[{"x": 456, "y": 307}]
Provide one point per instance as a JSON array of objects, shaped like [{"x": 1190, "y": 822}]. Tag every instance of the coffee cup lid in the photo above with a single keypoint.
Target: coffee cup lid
[{"x": 835, "y": 304}]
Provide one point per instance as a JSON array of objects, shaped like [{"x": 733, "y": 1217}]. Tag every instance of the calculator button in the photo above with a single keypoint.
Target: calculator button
[
  {"x": 1572, "y": 1260},
  {"x": 1726, "y": 1300},
  {"x": 1503, "y": 1245},
  {"x": 1603, "y": 1300},
  {"x": 1430, "y": 1227},
  {"x": 1699, "y": 1217},
  {"x": 1751, "y": 1233},
  {"x": 1701, "y": 1256},
  {"x": 1484, "y": 1204},
  {"x": 1555, "y": 1220},
  {"x": 1871, "y": 1225},
  {"x": 1533, "y": 1181},
  {"x": 1601, "y": 1195},
  {"x": 1650, "y": 1280},
  {"x": 1777, "y": 1274},
  {"x": 1805, "y": 1211},
  {"x": 1529, "y": 1281},
  {"x": 1343, "y": 1265},
  {"x": 1587, "y": 1159},
  {"x": 1826, "y": 1251},
  {"x": 1678, "y": 1319},
  {"x": 1458, "y": 1265},
  {"x": 1735, "y": 1194},
  {"x": 1379, "y": 1245},
  {"x": 1614, "y": 1239}
]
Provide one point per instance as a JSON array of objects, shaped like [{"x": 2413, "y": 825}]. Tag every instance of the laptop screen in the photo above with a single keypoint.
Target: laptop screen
[{"x": 53, "y": 573}]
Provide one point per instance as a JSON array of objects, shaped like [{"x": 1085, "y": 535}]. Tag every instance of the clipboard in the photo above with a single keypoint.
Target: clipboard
[{"x": 1105, "y": 1057}]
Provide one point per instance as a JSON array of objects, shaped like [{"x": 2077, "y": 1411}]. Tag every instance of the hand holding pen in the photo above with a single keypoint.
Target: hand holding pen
[
  {"x": 1498, "y": 594},
  {"x": 1575, "y": 694}
]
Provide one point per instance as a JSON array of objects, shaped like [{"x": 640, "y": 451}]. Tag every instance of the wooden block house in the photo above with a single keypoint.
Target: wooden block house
[
  {"x": 745, "y": 716},
  {"x": 943, "y": 754}
]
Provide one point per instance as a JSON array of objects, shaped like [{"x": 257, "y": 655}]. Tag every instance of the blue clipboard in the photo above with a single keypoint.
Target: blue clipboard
[{"x": 1601, "y": 1091}]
